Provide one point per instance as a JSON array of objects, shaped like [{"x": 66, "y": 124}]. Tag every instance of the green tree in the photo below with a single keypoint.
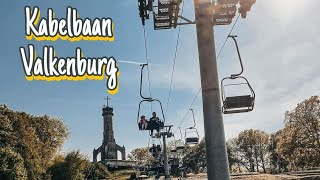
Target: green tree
[
  {"x": 195, "y": 157},
  {"x": 11, "y": 165},
  {"x": 58, "y": 168},
  {"x": 76, "y": 164},
  {"x": 98, "y": 171},
  {"x": 73, "y": 166}
]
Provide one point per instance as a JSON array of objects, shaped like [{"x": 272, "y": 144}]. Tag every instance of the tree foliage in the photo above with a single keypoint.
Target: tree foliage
[
  {"x": 299, "y": 141},
  {"x": 36, "y": 139},
  {"x": 250, "y": 149},
  {"x": 277, "y": 162},
  {"x": 195, "y": 157},
  {"x": 141, "y": 155},
  {"x": 75, "y": 166},
  {"x": 11, "y": 165},
  {"x": 99, "y": 171}
]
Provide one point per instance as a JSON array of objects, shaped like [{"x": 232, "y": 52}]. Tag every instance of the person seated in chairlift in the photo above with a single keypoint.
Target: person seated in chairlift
[
  {"x": 153, "y": 150},
  {"x": 158, "y": 148},
  {"x": 140, "y": 124},
  {"x": 143, "y": 123},
  {"x": 154, "y": 123}
]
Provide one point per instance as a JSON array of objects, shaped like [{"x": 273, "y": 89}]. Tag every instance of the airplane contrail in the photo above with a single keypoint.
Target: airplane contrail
[
  {"x": 130, "y": 62},
  {"x": 138, "y": 63}
]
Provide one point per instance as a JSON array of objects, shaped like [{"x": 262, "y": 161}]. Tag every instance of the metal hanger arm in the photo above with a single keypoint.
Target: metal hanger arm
[
  {"x": 194, "y": 120},
  {"x": 141, "y": 81},
  {"x": 238, "y": 51}
]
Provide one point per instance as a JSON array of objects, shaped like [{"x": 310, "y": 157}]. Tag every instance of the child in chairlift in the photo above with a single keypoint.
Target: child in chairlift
[{"x": 143, "y": 123}]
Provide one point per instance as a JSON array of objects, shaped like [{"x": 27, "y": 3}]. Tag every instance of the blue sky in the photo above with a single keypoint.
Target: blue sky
[{"x": 279, "y": 43}]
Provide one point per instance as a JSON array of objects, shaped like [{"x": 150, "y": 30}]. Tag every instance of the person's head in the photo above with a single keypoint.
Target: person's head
[
  {"x": 154, "y": 114},
  {"x": 142, "y": 117}
]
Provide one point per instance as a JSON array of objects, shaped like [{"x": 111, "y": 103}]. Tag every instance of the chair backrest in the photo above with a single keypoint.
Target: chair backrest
[
  {"x": 238, "y": 102},
  {"x": 192, "y": 140},
  {"x": 180, "y": 147},
  {"x": 173, "y": 150}
]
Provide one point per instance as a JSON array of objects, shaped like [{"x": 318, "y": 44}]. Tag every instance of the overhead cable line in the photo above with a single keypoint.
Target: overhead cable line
[
  {"x": 228, "y": 36},
  {"x": 183, "y": 119},
  {"x": 174, "y": 63}
]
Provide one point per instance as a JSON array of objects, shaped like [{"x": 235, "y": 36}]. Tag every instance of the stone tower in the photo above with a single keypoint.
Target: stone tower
[{"x": 109, "y": 148}]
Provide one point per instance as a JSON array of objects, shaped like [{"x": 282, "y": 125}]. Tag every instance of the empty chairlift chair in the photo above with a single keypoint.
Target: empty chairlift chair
[
  {"x": 191, "y": 134},
  {"x": 180, "y": 143},
  {"x": 174, "y": 149},
  {"x": 238, "y": 103}
]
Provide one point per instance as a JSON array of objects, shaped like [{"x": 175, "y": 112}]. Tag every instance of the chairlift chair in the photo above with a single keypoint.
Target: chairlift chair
[
  {"x": 161, "y": 122},
  {"x": 241, "y": 103},
  {"x": 237, "y": 104},
  {"x": 180, "y": 143},
  {"x": 177, "y": 146},
  {"x": 194, "y": 139},
  {"x": 149, "y": 100},
  {"x": 155, "y": 150}
]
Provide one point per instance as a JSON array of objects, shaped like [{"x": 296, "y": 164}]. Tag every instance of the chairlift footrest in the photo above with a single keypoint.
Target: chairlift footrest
[{"x": 237, "y": 111}]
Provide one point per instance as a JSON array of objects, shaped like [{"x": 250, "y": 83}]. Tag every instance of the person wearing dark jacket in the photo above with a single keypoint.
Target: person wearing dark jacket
[{"x": 154, "y": 123}]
